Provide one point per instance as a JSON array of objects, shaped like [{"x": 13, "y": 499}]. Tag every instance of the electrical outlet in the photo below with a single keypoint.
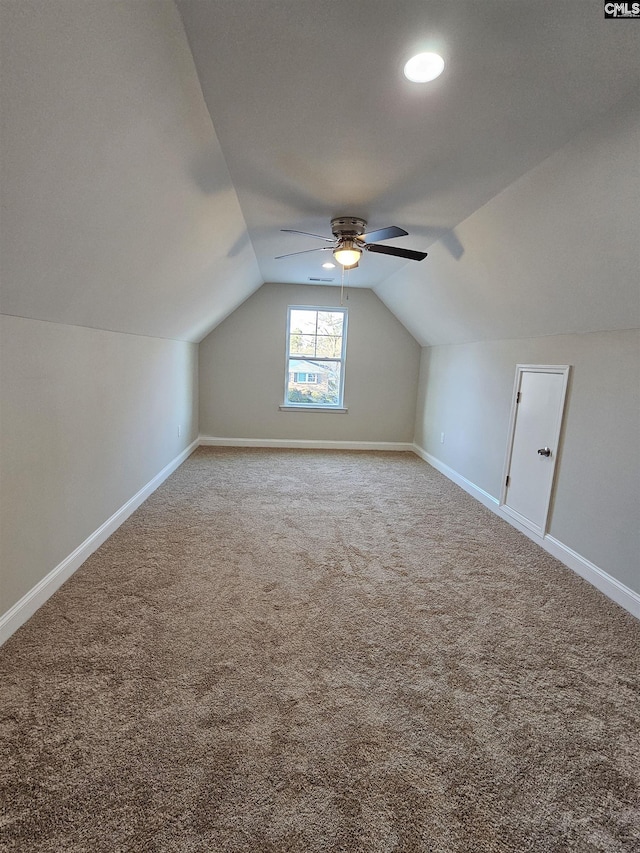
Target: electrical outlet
[
  {"x": 441, "y": 438},
  {"x": 179, "y": 430}
]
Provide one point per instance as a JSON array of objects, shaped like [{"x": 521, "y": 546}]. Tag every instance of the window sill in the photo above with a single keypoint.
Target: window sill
[{"x": 334, "y": 409}]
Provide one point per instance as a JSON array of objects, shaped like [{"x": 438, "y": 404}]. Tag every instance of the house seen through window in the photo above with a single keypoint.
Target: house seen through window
[{"x": 316, "y": 349}]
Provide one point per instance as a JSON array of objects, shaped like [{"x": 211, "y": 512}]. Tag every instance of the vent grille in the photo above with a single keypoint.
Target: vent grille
[{"x": 322, "y": 280}]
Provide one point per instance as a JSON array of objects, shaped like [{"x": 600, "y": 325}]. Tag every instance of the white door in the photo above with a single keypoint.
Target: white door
[{"x": 535, "y": 432}]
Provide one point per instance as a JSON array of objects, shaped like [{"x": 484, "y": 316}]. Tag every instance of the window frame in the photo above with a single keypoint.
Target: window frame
[{"x": 341, "y": 360}]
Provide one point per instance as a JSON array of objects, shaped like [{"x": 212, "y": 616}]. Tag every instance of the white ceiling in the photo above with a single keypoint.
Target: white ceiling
[
  {"x": 315, "y": 118},
  {"x": 131, "y": 202}
]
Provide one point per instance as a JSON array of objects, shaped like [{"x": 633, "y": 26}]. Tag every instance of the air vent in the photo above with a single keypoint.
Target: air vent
[{"x": 321, "y": 280}]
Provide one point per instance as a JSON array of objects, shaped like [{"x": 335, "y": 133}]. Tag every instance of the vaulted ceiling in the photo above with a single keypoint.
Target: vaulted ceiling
[{"x": 153, "y": 152}]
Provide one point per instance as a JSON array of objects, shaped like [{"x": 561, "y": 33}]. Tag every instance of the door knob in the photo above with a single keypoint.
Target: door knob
[{"x": 545, "y": 451}]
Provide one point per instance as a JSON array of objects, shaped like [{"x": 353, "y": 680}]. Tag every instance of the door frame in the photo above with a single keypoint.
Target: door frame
[{"x": 563, "y": 370}]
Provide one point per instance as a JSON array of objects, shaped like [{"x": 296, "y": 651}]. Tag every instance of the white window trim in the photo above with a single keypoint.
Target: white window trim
[
  {"x": 293, "y": 407},
  {"x": 308, "y": 407}
]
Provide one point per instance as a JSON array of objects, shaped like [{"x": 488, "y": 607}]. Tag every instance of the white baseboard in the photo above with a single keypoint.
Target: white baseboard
[
  {"x": 214, "y": 441},
  {"x": 612, "y": 588},
  {"x": 475, "y": 491},
  {"x": 44, "y": 589}
]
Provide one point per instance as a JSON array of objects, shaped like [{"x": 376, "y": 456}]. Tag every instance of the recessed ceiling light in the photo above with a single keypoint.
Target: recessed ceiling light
[
  {"x": 424, "y": 67},
  {"x": 328, "y": 266}
]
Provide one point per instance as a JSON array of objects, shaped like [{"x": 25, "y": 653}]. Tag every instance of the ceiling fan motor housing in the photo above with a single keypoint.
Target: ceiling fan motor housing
[{"x": 348, "y": 226}]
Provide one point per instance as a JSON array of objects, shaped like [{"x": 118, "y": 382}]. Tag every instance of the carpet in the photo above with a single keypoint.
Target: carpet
[{"x": 287, "y": 651}]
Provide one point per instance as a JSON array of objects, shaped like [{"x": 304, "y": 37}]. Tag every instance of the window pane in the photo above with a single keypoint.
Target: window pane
[
  {"x": 331, "y": 347},
  {"x": 330, "y": 323},
  {"x": 302, "y": 344},
  {"x": 325, "y": 388},
  {"x": 303, "y": 321}
]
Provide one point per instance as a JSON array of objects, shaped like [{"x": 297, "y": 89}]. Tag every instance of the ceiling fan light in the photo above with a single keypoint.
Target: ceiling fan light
[{"x": 347, "y": 254}]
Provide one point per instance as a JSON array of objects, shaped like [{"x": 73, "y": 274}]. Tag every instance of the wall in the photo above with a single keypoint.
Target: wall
[
  {"x": 242, "y": 365},
  {"x": 465, "y": 391},
  {"x": 87, "y": 418}
]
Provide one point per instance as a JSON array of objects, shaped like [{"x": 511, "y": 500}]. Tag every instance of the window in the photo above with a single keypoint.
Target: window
[{"x": 316, "y": 349}]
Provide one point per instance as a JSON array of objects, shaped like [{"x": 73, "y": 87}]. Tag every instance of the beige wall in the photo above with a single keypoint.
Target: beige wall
[
  {"x": 242, "y": 365},
  {"x": 87, "y": 418},
  {"x": 465, "y": 391}
]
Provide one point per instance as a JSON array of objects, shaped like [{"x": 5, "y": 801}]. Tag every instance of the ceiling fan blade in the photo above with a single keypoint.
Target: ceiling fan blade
[
  {"x": 384, "y": 234},
  {"x": 409, "y": 254},
  {"x": 306, "y": 234},
  {"x": 304, "y": 252}
]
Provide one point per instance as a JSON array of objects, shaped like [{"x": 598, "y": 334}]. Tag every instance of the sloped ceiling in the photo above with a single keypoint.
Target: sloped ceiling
[
  {"x": 556, "y": 252},
  {"x": 132, "y": 203},
  {"x": 316, "y": 119},
  {"x": 117, "y": 208}
]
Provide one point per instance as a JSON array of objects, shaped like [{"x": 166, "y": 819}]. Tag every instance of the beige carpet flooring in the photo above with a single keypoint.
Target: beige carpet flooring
[{"x": 300, "y": 651}]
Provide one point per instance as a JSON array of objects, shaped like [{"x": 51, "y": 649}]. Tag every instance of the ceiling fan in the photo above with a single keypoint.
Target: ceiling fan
[{"x": 350, "y": 240}]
